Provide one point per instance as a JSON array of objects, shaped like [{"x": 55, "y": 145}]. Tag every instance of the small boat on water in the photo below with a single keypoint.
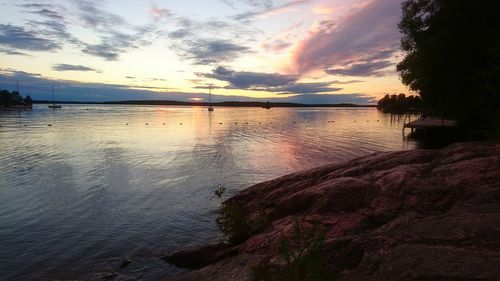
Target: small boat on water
[{"x": 54, "y": 105}]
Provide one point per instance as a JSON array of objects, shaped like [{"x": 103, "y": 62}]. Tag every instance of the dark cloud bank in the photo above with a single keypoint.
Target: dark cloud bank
[
  {"x": 39, "y": 88},
  {"x": 71, "y": 67},
  {"x": 272, "y": 82}
]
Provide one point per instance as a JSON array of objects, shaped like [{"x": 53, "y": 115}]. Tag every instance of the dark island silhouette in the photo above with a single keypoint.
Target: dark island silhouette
[{"x": 14, "y": 100}]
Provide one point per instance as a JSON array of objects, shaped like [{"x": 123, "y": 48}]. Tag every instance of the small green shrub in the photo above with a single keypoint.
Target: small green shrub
[
  {"x": 236, "y": 224},
  {"x": 304, "y": 256},
  {"x": 219, "y": 192}
]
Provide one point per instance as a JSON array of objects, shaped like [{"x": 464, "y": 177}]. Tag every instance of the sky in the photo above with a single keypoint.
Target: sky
[{"x": 308, "y": 51}]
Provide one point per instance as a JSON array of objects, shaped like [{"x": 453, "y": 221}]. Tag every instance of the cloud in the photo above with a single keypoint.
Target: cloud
[
  {"x": 70, "y": 67},
  {"x": 364, "y": 34},
  {"x": 18, "y": 73},
  {"x": 115, "y": 43},
  {"x": 17, "y": 37},
  {"x": 39, "y": 88},
  {"x": 95, "y": 18},
  {"x": 259, "y": 4},
  {"x": 13, "y": 53},
  {"x": 159, "y": 13},
  {"x": 209, "y": 41},
  {"x": 210, "y": 51},
  {"x": 277, "y": 45},
  {"x": 362, "y": 69},
  {"x": 197, "y": 29},
  {"x": 36, "y": 6},
  {"x": 268, "y": 10},
  {"x": 116, "y": 35},
  {"x": 270, "y": 82},
  {"x": 102, "y": 50},
  {"x": 306, "y": 88},
  {"x": 355, "y": 98},
  {"x": 245, "y": 80},
  {"x": 322, "y": 10},
  {"x": 337, "y": 82},
  {"x": 50, "y": 23}
]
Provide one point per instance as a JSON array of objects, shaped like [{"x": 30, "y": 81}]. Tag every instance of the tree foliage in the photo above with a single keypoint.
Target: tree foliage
[
  {"x": 13, "y": 98},
  {"x": 399, "y": 103},
  {"x": 452, "y": 55}
]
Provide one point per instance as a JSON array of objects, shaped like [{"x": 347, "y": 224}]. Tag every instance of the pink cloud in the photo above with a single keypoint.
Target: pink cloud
[
  {"x": 157, "y": 12},
  {"x": 364, "y": 34},
  {"x": 277, "y": 45}
]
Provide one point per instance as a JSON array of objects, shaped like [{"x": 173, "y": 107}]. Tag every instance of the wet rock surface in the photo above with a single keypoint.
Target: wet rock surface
[
  {"x": 411, "y": 215},
  {"x": 200, "y": 257}
]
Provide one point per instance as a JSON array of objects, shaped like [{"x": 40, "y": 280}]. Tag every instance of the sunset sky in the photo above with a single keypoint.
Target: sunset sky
[{"x": 309, "y": 51}]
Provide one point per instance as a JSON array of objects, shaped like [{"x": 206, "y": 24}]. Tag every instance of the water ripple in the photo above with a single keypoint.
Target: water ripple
[{"x": 78, "y": 195}]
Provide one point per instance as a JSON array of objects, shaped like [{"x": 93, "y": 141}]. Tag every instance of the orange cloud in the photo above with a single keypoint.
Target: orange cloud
[{"x": 322, "y": 10}]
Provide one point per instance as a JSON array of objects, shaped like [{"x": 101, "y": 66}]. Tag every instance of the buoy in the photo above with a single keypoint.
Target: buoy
[
  {"x": 246, "y": 122},
  {"x": 25, "y": 125},
  {"x": 294, "y": 122},
  {"x": 377, "y": 120},
  {"x": 235, "y": 122},
  {"x": 163, "y": 123},
  {"x": 181, "y": 123},
  {"x": 220, "y": 123},
  {"x": 259, "y": 122},
  {"x": 49, "y": 125},
  {"x": 126, "y": 124},
  {"x": 147, "y": 124}
]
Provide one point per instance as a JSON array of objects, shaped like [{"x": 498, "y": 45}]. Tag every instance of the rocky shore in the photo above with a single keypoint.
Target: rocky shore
[{"x": 409, "y": 215}]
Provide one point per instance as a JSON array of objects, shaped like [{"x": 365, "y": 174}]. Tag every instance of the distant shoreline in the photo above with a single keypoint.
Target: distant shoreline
[{"x": 226, "y": 104}]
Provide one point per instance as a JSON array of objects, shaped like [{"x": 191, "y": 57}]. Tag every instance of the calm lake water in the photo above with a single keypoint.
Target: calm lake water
[{"x": 79, "y": 195}]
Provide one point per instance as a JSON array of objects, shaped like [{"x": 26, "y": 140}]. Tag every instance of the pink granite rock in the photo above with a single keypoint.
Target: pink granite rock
[{"x": 408, "y": 215}]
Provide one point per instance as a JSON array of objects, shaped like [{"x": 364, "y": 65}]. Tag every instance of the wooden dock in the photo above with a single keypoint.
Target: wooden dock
[{"x": 431, "y": 123}]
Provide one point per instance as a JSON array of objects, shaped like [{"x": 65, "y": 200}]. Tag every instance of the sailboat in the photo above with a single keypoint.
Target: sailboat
[
  {"x": 54, "y": 105},
  {"x": 210, "y": 108}
]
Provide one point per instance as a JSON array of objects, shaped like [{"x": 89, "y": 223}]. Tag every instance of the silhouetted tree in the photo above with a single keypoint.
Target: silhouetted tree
[
  {"x": 13, "y": 98},
  {"x": 28, "y": 100},
  {"x": 399, "y": 103},
  {"x": 452, "y": 58},
  {"x": 5, "y": 98}
]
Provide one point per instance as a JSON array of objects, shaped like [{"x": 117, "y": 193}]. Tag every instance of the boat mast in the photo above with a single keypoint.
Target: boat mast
[{"x": 210, "y": 95}]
